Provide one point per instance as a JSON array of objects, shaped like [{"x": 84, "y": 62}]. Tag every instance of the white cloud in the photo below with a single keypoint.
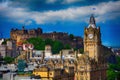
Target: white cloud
[
  {"x": 50, "y": 1},
  {"x": 71, "y": 1},
  {"x": 28, "y": 22},
  {"x": 63, "y": 1},
  {"x": 103, "y": 12}
]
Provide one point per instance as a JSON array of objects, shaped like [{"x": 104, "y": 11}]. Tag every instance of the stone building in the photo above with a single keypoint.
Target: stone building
[
  {"x": 92, "y": 62},
  {"x": 3, "y": 50},
  {"x": 48, "y": 51},
  {"x": 22, "y": 35},
  {"x": 11, "y": 48},
  {"x": 46, "y": 73},
  {"x": 8, "y": 49}
]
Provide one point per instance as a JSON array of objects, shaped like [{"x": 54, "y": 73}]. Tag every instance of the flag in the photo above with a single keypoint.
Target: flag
[{"x": 94, "y": 8}]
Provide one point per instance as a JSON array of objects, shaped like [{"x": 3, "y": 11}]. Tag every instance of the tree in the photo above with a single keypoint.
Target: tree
[
  {"x": 48, "y": 41},
  {"x": 113, "y": 71},
  {"x": 81, "y": 50},
  {"x": 57, "y": 46},
  {"x": 67, "y": 46},
  {"x": 4, "y": 42},
  {"x": 8, "y": 59},
  {"x": 111, "y": 74},
  {"x": 39, "y": 43},
  {"x": 71, "y": 36}
]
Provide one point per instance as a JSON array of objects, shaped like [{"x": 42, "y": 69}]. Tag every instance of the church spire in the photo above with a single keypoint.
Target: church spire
[{"x": 92, "y": 19}]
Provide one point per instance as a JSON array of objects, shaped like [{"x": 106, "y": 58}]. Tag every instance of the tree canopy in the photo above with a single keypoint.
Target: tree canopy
[
  {"x": 67, "y": 46},
  {"x": 113, "y": 72},
  {"x": 8, "y": 59},
  {"x": 81, "y": 50},
  {"x": 71, "y": 36},
  {"x": 39, "y": 44}
]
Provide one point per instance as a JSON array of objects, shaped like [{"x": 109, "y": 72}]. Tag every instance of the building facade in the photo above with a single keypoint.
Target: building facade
[
  {"x": 8, "y": 49},
  {"x": 46, "y": 73}
]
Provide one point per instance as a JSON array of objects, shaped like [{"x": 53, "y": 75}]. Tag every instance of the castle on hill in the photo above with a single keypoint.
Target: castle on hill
[{"x": 21, "y": 35}]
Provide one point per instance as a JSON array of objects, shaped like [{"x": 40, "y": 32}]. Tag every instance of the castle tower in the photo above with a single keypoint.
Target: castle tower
[{"x": 92, "y": 39}]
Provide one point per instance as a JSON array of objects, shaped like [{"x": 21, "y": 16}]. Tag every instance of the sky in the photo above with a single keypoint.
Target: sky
[{"x": 70, "y": 16}]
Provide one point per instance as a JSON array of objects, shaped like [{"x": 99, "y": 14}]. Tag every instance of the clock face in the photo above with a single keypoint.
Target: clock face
[{"x": 90, "y": 36}]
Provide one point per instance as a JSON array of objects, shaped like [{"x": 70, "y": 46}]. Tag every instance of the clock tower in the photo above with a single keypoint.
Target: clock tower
[{"x": 92, "y": 40}]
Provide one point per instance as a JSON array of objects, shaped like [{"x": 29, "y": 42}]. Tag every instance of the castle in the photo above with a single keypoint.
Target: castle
[
  {"x": 22, "y": 35},
  {"x": 91, "y": 65}
]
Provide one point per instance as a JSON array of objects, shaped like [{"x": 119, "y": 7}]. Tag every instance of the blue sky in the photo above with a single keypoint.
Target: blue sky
[{"x": 69, "y": 16}]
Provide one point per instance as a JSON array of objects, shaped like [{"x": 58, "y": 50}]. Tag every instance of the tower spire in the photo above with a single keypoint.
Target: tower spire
[{"x": 92, "y": 20}]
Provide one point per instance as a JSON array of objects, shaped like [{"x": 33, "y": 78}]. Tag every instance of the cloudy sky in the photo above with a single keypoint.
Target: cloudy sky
[{"x": 69, "y": 16}]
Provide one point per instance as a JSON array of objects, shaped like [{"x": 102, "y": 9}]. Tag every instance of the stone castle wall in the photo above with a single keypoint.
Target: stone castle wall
[{"x": 21, "y": 35}]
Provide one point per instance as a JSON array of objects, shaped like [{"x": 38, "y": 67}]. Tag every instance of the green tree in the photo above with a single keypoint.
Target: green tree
[
  {"x": 71, "y": 36},
  {"x": 39, "y": 43},
  {"x": 48, "y": 41},
  {"x": 57, "y": 46},
  {"x": 111, "y": 74},
  {"x": 8, "y": 59},
  {"x": 4, "y": 42},
  {"x": 75, "y": 49},
  {"x": 113, "y": 71},
  {"x": 81, "y": 50},
  {"x": 67, "y": 46}
]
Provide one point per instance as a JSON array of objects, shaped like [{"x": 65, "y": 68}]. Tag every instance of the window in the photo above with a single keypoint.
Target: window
[
  {"x": 82, "y": 67},
  {"x": 81, "y": 73},
  {"x": 50, "y": 73}
]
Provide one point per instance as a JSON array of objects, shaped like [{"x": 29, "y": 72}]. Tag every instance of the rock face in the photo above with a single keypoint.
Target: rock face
[{"x": 21, "y": 35}]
